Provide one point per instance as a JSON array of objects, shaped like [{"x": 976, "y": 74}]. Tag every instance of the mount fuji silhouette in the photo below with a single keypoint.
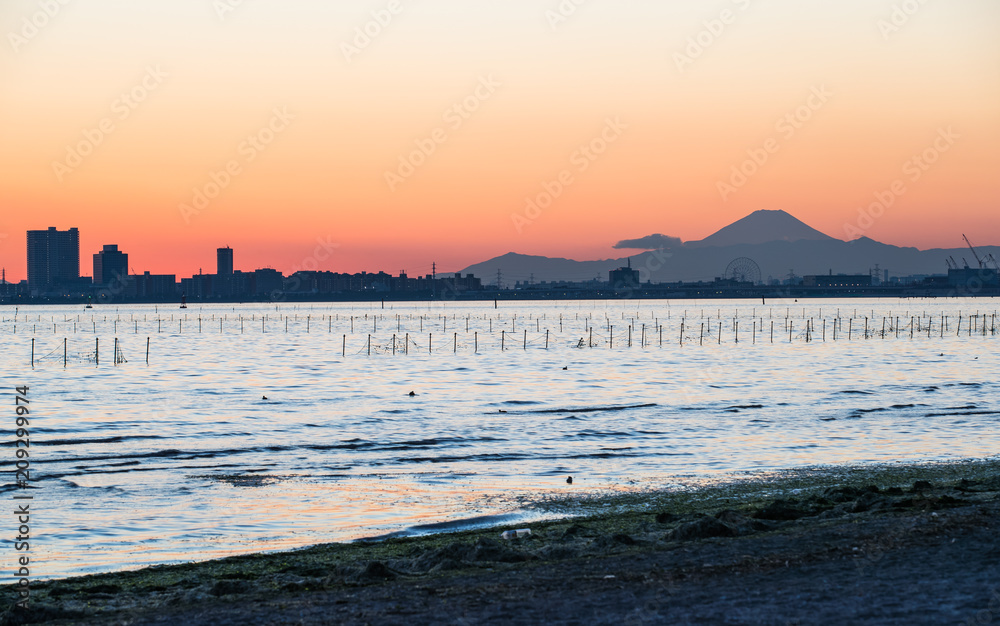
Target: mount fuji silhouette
[
  {"x": 762, "y": 226},
  {"x": 779, "y": 242}
]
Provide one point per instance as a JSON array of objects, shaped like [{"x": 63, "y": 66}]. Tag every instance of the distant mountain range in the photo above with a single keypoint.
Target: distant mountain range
[{"x": 778, "y": 242}]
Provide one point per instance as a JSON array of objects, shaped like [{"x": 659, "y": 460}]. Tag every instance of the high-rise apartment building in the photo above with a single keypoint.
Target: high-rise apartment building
[
  {"x": 53, "y": 257},
  {"x": 224, "y": 261},
  {"x": 110, "y": 265}
]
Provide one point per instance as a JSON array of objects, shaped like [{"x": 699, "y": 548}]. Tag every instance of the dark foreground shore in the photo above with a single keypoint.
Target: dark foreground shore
[{"x": 889, "y": 545}]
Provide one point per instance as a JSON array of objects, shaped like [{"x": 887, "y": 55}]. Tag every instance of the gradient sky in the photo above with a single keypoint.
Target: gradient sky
[{"x": 893, "y": 93}]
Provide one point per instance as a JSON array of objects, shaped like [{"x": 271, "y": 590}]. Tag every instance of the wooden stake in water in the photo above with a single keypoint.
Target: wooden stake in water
[
  {"x": 32, "y": 352},
  {"x": 147, "y": 350}
]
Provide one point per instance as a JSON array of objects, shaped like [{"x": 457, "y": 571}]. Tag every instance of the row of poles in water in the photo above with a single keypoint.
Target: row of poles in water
[
  {"x": 810, "y": 332},
  {"x": 374, "y": 320}
]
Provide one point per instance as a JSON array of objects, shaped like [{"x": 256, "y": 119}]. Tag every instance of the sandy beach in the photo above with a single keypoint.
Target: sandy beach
[{"x": 873, "y": 545}]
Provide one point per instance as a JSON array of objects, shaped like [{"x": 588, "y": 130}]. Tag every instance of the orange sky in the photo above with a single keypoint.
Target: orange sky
[{"x": 313, "y": 121}]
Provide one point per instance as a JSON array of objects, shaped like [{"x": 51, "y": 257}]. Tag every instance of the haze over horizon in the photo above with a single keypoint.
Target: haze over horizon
[{"x": 618, "y": 121}]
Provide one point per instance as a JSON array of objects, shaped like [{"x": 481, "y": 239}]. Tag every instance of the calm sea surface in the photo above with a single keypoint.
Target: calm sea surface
[{"x": 182, "y": 459}]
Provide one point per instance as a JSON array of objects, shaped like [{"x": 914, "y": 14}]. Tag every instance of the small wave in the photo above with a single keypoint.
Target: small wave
[
  {"x": 456, "y": 459},
  {"x": 745, "y": 406},
  {"x": 73, "y": 485},
  {"x": 597, "y": 408},
  {"x": 418, "y": 444},
  {"x": 169, "y": 453},
  {"x": 601, "y": 455},
  {"x": 963, "y": 413},
  {"x": 76, "y": 442},
  {"x": 857, "y": 391},
  {"x": 520, "y": 402},
  {"x": 597, "y": 434}
]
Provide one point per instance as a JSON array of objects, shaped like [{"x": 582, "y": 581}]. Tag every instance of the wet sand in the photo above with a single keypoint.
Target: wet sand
[{"x": 889, "y": 545}]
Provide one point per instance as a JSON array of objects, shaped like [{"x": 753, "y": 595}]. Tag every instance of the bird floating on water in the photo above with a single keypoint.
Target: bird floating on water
[
  {"x": 412, "y": 393},
  {"x": 502, "y": 411},
  {"x": 263, "y": 397},
  {"x": 569, "y": 480}
]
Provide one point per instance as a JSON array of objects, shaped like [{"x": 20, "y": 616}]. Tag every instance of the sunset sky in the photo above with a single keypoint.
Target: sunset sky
[{"x": 420, "y": 141}]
